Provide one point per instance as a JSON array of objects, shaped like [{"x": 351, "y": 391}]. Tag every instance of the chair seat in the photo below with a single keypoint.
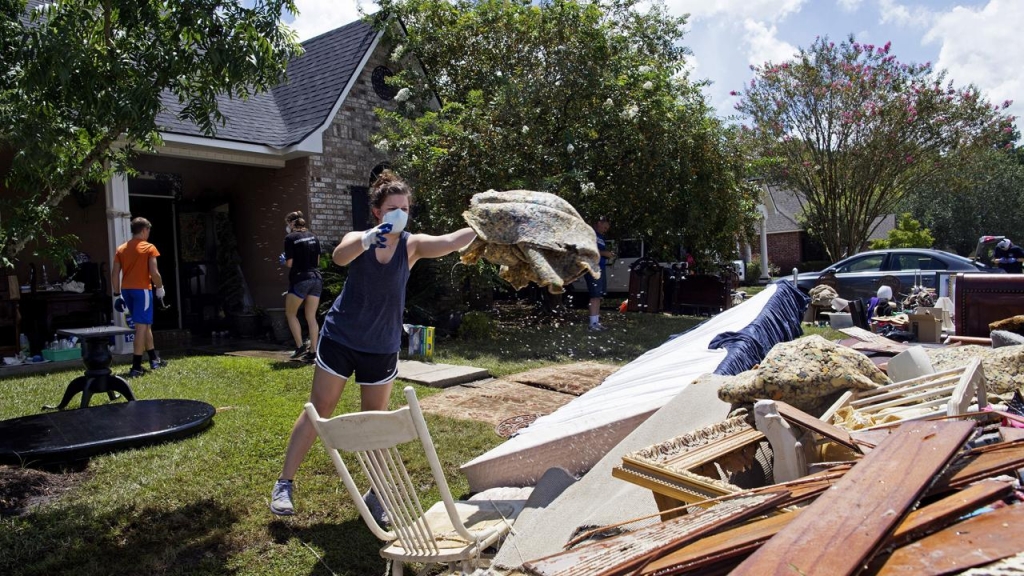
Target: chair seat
[{"x": 478, "y": 516}]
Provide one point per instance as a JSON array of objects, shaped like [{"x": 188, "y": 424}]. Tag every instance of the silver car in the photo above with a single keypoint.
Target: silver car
[{"x": 860, "y": 275}]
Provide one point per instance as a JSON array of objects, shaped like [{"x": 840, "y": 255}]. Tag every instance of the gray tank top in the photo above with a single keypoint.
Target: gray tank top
[{"x": 367, "y": 315}]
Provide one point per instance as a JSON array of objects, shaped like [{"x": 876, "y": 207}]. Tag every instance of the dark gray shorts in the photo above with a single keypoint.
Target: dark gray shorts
[
  {"x": 312, "y": 287},
  {"x": 342, "y": 361}
]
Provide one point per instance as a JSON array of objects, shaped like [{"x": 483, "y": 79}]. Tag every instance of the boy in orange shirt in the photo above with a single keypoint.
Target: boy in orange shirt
[{"x": 134, "y": 290}]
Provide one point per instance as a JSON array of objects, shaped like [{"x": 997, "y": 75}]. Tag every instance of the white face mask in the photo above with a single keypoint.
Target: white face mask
[
  {"x": 398, "y": 219},
  {"x": 287, "y": 229}
]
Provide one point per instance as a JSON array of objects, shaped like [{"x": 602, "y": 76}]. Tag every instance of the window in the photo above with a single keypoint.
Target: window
[
  {"x": 870, "y": 263},
  {"x": 380, "y": 84},
  {"x": 917, "y": 262}
]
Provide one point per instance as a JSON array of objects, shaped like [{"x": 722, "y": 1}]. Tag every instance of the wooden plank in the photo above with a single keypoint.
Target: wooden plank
[
  {"x": 720, "y": 546},
  {"x": 977, "y": 541},
  {"x": 939, "y": 514},
  {"x": 808, "y": 422},
  {"x": 746, "y": 538},
  {"x": 845, "y": 526},
  {"x": 613, "y": 555},
  {"x": 981, "y": 463}
]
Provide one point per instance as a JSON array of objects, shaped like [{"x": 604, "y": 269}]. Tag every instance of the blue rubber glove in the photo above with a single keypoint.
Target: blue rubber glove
[
  {"x": 1007, "y": 260},
  {"x": 281, "y": 259},
  {"x": 374, "y": 237},
  {"x": 119, "y": 304}
]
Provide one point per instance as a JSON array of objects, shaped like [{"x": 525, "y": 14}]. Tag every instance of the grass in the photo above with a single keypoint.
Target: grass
[{"x": 199, "y": 505}]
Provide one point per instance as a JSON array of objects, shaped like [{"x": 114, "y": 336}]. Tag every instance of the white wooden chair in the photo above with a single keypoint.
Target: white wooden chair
[{"x": 450, "y": 532}]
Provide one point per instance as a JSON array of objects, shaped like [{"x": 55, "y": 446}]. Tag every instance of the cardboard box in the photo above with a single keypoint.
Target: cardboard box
[
  {"x": 927, "y": 327},
  {"x": 941, "y": 313}
]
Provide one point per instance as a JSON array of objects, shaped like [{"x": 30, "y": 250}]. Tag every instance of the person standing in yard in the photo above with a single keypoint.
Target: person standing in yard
[
  {"x": 363, "y": 330},
  {"x": 596, "y": 287},
  {"x": 134, "y": 281},
  {"x": 1008, "y": 256},
  {"x": 302, "y": 256}
]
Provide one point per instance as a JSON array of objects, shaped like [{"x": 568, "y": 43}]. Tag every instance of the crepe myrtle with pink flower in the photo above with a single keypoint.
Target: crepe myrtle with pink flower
[{"x": 851, "y": 128}]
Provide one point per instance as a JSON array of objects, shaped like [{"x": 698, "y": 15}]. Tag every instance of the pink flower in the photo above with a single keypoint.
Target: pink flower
[{"x": 734, "y": 93}]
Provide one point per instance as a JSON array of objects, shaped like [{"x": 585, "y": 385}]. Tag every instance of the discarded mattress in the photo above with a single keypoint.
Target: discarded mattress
[
  {"x": 580, "y": 433},
  {"x": 534, "y": 237}
]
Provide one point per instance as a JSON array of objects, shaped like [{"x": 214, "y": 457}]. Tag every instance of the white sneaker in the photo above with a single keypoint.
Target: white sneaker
[
  {"x": 597, "y": 328},
  {"x": 281, "y": 498}
]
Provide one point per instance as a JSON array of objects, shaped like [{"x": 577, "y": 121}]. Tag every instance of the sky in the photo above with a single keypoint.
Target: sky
[{"x": 976, "y": 42}]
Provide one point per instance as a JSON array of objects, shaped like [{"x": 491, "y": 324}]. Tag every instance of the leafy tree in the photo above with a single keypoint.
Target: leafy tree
[
  {"x": 983, "y": 196},
  {"x": 908, "y": 233},
  {"x": 82, "y": 83},
  {"x": 587, "y": 100},
  {"x": 852, "y": 129}
]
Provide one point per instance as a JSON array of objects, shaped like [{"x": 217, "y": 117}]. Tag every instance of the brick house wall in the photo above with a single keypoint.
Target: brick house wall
[
  {"x": 348, "y": 156},
  {"x": 784, "y": 250}
]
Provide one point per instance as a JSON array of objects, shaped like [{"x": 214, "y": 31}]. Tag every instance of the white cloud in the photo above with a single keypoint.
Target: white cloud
[
  {"x": 981, "y": 46},
  {"x": 319, "y": 16},
  {"x": 770, "y": 10},
  {"x": 891, "y": 12},
  {"x": 763, "y": 45},
  {"x": 849, "y": 5}
]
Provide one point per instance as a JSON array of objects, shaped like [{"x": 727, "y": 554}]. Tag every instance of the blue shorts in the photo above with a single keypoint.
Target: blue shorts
[
  {"x": 342, "y": 361},
  {"x": 303, "y": 288},
  {"x": 596, "y": 287},
  {"x": 139, "y": 304}
]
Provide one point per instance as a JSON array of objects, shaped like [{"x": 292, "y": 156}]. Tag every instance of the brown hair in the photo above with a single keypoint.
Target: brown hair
[
  {"x": 387, "y": 184},
  {"x": 139, "y": 224},
  {"x": 295, "y": 220}
]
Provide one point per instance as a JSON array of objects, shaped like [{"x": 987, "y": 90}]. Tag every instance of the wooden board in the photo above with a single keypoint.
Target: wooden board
[
  {"x": 808, "y": 422},
  {"x": 844, "y": 527},
  {"x": 627, "y": 551},
  {"x": 973, "y": 542},
  {"x": 77, "y": 434}
]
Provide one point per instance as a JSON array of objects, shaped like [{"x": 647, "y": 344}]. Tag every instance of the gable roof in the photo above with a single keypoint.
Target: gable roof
[
  {"x": 291, "y": 111},
  {"x": 787, "y": 209}
]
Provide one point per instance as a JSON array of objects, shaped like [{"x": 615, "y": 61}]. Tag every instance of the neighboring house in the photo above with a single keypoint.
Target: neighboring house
[
  {"x": 788, "y": 243},
  {"x": 305, "y": 146}
]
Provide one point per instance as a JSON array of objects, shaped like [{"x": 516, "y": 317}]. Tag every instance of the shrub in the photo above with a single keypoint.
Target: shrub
[
  {"x": 754, "y": 269},
  {"x": 476, "y": 326}
]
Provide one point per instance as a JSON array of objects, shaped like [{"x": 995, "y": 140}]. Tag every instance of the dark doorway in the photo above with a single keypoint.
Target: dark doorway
[
  {"x": 360, "y": 207},
  {"x": 154, "y": 200}
]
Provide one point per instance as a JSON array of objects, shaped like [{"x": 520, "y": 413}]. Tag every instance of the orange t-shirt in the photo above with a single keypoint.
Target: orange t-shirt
[{"x": 134, "y": 257}]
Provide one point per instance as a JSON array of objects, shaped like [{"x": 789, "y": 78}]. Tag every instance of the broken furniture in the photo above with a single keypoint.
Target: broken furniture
[
  {"x": 702, "y": 294},
  {"x": 45, "y": 312},
  {"x": 985, "y": 298},
  {"x": 74, "y": 435},
  {"x": 96, "y": 356},
  {"x": 449, "y": 532},
  {"x": 951, "y": 392},
  {"x": 10, "y": 316}
]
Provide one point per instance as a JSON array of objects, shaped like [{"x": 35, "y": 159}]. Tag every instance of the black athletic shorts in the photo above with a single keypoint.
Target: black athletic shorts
[{"x": 342, "y": 361}]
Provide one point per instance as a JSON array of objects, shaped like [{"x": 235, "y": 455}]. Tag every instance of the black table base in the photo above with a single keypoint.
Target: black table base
[{"x": 97, "y": 378}]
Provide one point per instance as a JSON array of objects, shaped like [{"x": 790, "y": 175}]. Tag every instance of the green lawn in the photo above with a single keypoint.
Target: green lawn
[{"x": 199, "y": 505}]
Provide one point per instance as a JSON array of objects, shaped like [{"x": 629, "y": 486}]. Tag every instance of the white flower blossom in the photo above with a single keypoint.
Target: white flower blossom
[
  {"x": 648, "y": 85},
  {"x": 526, "y": 129},
  {"x": 608, "y": 103},
  {"x": 383, "y": 145},
  {"x": 570, "y": 148},
  {"x": 630, "y": 112},
  {"x": 558, "y": 82},
  {"x": 644, "y": 69},
  {"x": 410, "y": 106},
  {"x": 399, "y": 51},
  {"x": 588, "y": 187},
  {"x": 403, "y": 95}
]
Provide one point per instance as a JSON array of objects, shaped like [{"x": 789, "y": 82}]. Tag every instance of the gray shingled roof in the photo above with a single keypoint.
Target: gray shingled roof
[
  {"x": 787, "y": 208},
  {"x": 291, "y": 111}
]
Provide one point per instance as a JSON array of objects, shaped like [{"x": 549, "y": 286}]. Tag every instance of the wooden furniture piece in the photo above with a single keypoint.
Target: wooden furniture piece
[
  {"x": 10, "y": 316},
  {"x": 816, "y": 542},
  {"x": 96, "y": 356},
  {"x": 985, "y": 298},
  {"x": 703, "y": 293},
  {"x": 450, "y": 532},
  {"x": 949, "y": 392},
  {"x": 713, "y": 461},
  {"x": 43, "y": 313}
]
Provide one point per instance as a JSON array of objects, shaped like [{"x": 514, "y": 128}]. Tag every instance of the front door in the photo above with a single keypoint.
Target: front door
[{"x": 153, "y": 197}]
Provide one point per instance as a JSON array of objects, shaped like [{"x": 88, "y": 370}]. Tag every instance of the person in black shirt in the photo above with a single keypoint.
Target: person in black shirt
[
  {"x": 302, "y": 256},
  {"x": 1008, "y": 256}
]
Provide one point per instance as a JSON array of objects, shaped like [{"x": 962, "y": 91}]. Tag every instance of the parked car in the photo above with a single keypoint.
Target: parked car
[{"x": 860, "y": 275}]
